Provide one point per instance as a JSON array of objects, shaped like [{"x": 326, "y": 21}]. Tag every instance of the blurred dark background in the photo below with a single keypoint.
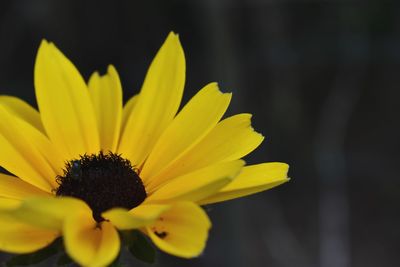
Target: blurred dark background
[{"x": 322, "y": 79}]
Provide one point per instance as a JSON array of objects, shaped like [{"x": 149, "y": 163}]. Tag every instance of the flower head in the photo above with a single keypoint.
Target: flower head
[{"x": 86, "y": 166}]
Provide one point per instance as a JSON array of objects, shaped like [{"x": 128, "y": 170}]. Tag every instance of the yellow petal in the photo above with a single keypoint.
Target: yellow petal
[
  {"x": 231, "y": 139},
  {"x": 190, "y": 126},
  {"x": 88, "y": 243},
  {"x": 48, "y": 212},
  {"x": 66, "y": 109},
  {"x": 18, "y": 237},
  {"x": 106, "y": 94},
  {"x": 181, "y": 231},
  {"x": 15, "y": 188},
  {"x": 159, "y": 101},
  {"x": 7, "y": 204},
  {"x": 199, "y": 184},
  {"x": 48, "y": 150},
  {"x": 54, "y": 157},
  {"x": 22, "y": 110},
  {"x": 126, "y": 113},
  {"x": 20, "y": 154},
  {"x": 252, "y": 179},
  {"x": 136, "y": 218}
]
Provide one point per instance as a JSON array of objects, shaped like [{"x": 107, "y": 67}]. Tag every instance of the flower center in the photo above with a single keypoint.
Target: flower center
[{"x": 103, "y": 181}]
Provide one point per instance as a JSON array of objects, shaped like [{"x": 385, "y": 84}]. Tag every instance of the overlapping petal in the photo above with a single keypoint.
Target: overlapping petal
[
  {"x": 15, "y": 188},
  {"x": 231, "y": 139},
  {"x": 89, "y": 243},
  {"x": 7, "y": 204},
  {"x": 126, "y": 113},
  {"x": 106, "y": 94},
  {"x": 252, "y": 179},
  {"x": 182, "y": 230},
  {"x": 65, "y": 106},
  {"x": 191, "y": 125},
  {"x": 19, "y": 237},
  {"x": 138, "y": 217},
  {"x": 49, "y": 212},
  {"x": 197, "y": 185},
  {"x": 22, "y": 110},
  {"x": 159, "y": 101},
  {"x": 21, "y": 155}
]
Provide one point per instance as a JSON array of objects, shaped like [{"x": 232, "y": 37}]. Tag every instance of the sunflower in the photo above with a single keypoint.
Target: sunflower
[{"x": 87, "y": 167}]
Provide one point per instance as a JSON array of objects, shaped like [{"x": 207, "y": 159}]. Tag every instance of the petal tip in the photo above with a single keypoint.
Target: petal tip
[
  {"x": 44, "y": 42},
  {"x": 111, "y": 69},
  {"x": 214, "y": 86},
  {"x": 95, "y": 75},
  {"x": 44, "y": 45},
  {"x": 172, "y": 38}
]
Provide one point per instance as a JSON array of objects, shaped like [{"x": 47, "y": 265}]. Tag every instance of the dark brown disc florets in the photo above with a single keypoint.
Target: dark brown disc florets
[{"x": 103, "y": 181}]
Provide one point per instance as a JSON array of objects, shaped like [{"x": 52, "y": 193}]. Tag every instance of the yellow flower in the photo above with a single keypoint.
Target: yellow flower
[{"x": 87, "y": 166}]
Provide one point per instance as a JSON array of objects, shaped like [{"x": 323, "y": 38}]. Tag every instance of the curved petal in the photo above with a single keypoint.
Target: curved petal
[
  {"x": 15, "y": 188},
  {"x": 159, "y": 101},
  {"x": 136, "y": 218},
  {"x": 181, "y": 231},
  {"x": 191, "y": 125},
  {"x": 253, "y": 179},
  {"x": 18, "y": 237},
  {"x": 88, "y": 243},
  {"x": 49, "y": 212},
  {"x": 20, "y": 155},
  {"x": 126, "y": 113},
  {"x": 199, "y": 184},
  {"x": 66, "y": 109},
  {"x": 22, "y": 110},
  {"x": 106, "y": 94},
  {"x": 232, "y": 138}
]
